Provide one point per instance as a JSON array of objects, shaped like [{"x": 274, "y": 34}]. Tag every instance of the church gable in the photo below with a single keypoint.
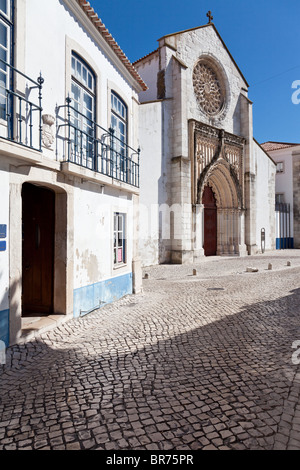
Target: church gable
[
  {"x": 213, "y": 83},
  {"x": 203, "y": 37}
]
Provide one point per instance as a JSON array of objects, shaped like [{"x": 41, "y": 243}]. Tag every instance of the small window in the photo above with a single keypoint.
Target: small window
[
  {"x": 280, "y": 167},
  {"x": 119, "y": 239}
]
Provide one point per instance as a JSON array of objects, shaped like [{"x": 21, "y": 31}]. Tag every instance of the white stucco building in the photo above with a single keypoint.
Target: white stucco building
[
  {"x": 69, "y": 164},
  {"x": 210, "y": 186},
  {"x": 287, "y": 158}
]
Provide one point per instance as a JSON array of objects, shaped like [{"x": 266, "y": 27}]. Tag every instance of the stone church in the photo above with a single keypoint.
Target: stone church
[{"x": 207, "y": 187}]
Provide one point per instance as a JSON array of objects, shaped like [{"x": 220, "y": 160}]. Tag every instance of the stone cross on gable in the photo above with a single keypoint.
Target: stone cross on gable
[{"x": 210, "y": 17}]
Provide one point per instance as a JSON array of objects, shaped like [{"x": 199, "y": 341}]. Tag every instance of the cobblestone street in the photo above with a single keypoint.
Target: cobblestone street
[{"x": 194, "y": 362}]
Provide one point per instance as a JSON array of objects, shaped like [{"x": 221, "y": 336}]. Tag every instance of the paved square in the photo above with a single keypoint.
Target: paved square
[{"x": 201, "y": 361}]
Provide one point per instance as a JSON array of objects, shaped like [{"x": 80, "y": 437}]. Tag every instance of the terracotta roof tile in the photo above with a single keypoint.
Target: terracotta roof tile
[
  {"x": 145, "y": 56},
  {"x": 269, "y": 146},
  {"x": 89, "y": 11}
]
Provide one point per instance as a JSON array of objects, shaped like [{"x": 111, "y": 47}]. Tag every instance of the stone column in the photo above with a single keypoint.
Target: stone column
[
  {"x": 242, "y": 249},
  {"x": 198, "y": 224},
  {"x": 219, "y": 232},
  {"x": 231, "y": 231},
  {"x": 236, "y": 231},
  {"x": 225, "y": 232}
]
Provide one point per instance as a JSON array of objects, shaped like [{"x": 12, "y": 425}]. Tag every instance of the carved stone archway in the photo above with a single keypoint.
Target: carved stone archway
[
  {"x": 228, "y": 207},
  {"x": 218, "y": 162}
]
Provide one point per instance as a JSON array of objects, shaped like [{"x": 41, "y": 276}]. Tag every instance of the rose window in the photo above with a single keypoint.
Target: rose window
[{"x": 208, "y": 89}]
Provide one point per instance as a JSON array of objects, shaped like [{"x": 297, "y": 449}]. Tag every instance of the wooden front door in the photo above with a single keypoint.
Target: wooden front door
[
  {"x": 38, "y": 250},
  {"x": 210, "y": 222}
]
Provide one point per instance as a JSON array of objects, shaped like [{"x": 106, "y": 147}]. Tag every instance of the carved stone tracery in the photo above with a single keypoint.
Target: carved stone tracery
[
  {"x": 217, "y": 151},
  {"x": 209, "y": 88}
]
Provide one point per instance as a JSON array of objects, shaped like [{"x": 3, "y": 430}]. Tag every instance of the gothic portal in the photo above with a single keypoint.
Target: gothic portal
[{"x": 218, "y": 165}]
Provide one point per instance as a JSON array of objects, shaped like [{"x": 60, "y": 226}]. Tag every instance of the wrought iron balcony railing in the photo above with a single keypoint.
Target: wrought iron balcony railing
[
  {"x": 89, "y": 145},
  {"x": 20, "y": 113}
]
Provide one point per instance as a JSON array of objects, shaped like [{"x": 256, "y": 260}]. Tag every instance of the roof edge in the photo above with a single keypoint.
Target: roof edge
[
  {"x": 100, "y": 26},
  {"x": 145, "y": 57},
  {"x": 290, "y": 144},
  {"x": 260, "y": 146}
]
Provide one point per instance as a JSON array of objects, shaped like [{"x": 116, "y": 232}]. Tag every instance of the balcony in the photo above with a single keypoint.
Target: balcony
[
  {"x": 79, "y": 140},
  {"x": 20, "y": 112},
  {"x": 88, "y": 145}
]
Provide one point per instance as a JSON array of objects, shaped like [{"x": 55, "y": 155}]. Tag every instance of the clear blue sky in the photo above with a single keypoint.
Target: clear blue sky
[{"x": 263, "y": 36}]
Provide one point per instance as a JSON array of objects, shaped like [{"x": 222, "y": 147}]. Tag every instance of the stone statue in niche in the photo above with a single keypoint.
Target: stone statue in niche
[{"x": 47, "y": 131}]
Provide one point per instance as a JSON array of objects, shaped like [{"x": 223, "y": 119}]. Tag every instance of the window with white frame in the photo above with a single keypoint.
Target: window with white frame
[
  {"x": 280, "y": 167},
  {"x": 83, "y": 94},
  {"x": 5, "y": 52},
  {"x": 119, "y": 239},
  {"x": 119, "y": 124}
]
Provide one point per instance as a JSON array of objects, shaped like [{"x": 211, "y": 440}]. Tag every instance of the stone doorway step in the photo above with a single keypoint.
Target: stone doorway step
[{"x": 36, "y": 325}]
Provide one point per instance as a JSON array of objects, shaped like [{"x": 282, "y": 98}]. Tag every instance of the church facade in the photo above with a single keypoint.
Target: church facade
[{"x": 210, "y": 186}]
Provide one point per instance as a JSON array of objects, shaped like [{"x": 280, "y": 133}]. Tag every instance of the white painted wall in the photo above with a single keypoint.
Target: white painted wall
[
  {"x": 4, "y": 257},
  {"x": 93, "y": 233},
  {"x": 151, "y": 181},
  {"x": 284, "y": 181},
  {"x": 265, "y": 194},
  {"x": 148, "y": 69}
]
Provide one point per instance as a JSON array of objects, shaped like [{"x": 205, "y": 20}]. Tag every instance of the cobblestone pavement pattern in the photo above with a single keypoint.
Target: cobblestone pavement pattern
[{"x": 194, "y": 362}]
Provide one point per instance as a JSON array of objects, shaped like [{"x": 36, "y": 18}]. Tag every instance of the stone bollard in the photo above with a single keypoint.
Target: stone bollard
[
  {"x": 251, "y": 270},
  {"x": 270, "y": 267}
]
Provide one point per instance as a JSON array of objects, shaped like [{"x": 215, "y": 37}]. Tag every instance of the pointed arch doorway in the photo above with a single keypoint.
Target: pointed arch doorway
[
  {"x": 210, "y": 222},
  {"x": 223, "y": 227}
]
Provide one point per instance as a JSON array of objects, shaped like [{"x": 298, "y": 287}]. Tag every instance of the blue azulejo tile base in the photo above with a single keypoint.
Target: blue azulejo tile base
[
  {"x": 4, "y": 327},
  {"x": 92, "y": 297}
]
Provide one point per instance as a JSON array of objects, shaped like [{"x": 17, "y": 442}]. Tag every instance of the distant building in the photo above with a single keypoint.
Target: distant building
[
  {"x": 287, "y": 189},
  {"x": 210, "y": 187},
  {"x": 69, "y": 164}
]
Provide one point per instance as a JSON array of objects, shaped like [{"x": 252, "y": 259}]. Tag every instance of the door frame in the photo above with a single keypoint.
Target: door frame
[
  {"x": 46, "y": 254},
  {"x": 63, "y": 249}
]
